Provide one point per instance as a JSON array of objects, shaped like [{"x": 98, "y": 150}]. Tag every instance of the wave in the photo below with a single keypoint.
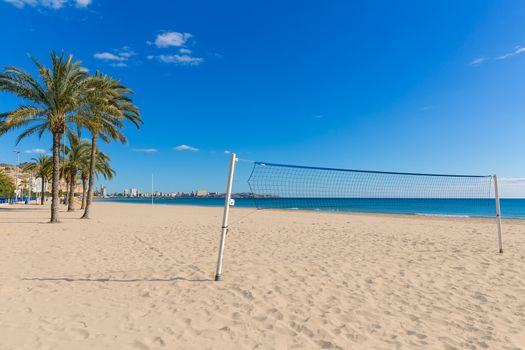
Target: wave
[{"x": 443, "y": 215}]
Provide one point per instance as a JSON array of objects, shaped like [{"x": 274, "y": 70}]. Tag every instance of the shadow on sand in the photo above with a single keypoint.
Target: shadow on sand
[
  {"x": 119, "y": 280},
  {"x": 33, "y": 220},
  {"x": 24, "y": 209},
  {"x": 43, "y": 220}
]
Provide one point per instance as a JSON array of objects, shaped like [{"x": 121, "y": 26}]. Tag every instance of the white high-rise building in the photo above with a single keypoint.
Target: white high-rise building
[
  {"x": 201, "y": 193},
  {"x": 36, "y": 185},
  {"x": 134, "y": 192}
]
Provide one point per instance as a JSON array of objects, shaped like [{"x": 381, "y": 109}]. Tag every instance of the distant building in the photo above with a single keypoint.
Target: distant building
[
  {"x": 134, "y": 192},
  {"x": 36, "y": 185},
  {"x": 201, "y": 193},
  {"x": 126, "y": 192}
]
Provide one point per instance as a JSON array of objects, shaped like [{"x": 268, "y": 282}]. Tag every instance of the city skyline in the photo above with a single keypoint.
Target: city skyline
[{"x": 509, "y": 187}]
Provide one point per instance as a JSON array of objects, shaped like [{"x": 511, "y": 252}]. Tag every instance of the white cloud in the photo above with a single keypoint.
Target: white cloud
[
  {"x": 184, "y": 56},
  {"x": 169, "y": 39},
  {"x": 227, "y": 152},
  {"x": 186, "y": 148},
  {"x": 216, "y": 55},
  {"x": 319, "y": 116},
  {"x": 517, "y": 50},
  {"x": 53, "y": 4},
  {"x": 127, "y": 54},
  {"x": 20, "y": 3},
  {"x": 477, "y": 61},
  {"x": 118, "y": 57},
  {"x": 83, "y": 3},
  {"x": 118, "y": 64},
  {"x": 35, "y": 151},
  {"x": 184, "y": 60},
  {"x": 108, "y": 56},
  {"x": 145, "y": 150}
]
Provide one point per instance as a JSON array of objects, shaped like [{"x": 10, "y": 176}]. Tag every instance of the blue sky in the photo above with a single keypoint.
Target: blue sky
[{"x": 433, "y": 86}]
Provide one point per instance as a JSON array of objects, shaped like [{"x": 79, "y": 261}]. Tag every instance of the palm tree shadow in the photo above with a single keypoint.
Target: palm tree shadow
[
  {"x": 24, "y": 222},
  {"x": 23, "y": 209},
  {"x": 43, "y": 221},
  {"x": 117, "y": 280}
]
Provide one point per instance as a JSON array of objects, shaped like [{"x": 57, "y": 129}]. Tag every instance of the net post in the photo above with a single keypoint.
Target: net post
[
  {"x": 224, "y": 228},
  {"x": 498, "y": 212}
]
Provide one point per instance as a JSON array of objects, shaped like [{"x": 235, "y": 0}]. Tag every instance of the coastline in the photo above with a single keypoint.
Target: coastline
[{"x": 341, "y": 212}]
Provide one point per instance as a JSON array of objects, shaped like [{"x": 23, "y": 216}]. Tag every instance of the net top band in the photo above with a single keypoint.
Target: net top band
[{"x": 368, "y": 171}]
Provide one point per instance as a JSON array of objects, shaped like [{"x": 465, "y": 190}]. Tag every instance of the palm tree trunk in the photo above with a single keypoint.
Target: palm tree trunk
[
  {"x": 56, "y": 177},
  {"x": 43, "y": 191},
  {"x": 66, "y": 195},
  {"x": 84, "y": 192},
  {"x": 92, "y": 163},
  {"x": 71, "y": 195}
]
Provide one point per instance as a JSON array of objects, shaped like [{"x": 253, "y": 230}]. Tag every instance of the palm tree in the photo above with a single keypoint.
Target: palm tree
[
  {"x": 84, "y": 174},
  {"x": 77, "y": 154},
  {"x": 53, "y": 99},
  {"x": 64, "y": 173},
  {"x": 24, "y": 183},
  {"x": 42, "y": 168},
  {"x": 107, "y": 107},
  {"x": 101, "y": 168}
]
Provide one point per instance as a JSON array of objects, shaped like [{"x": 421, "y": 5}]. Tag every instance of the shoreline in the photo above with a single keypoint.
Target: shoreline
[{"x": 340, "y": 212}]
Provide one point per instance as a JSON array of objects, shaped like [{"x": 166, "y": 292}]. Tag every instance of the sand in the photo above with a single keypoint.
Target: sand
[{"x": 141, "y": 277}]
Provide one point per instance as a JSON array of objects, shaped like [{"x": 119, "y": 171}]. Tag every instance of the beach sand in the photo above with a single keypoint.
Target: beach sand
[{"x": 141, "y": 277}]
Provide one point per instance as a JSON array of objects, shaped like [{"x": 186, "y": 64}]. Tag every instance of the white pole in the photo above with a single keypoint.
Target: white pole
[
  {"x": 498, "y": 213},
  {"x": 17, "y": 169},
  {"x": 30, "y": 183},
  {"x": 224, "y": 228},
  {"x": 151, "y": 188}
]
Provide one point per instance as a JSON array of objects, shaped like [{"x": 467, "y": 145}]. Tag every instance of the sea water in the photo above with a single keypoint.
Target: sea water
[{"x": 510, "y": 208}]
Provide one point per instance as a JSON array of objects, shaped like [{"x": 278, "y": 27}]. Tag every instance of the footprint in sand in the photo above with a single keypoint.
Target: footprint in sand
[
  {"x": 82, "y": 333},
  {"x": 247, "y": 294},
  {"x": 323, "y": 344},
  {"x": 276, "y": 313},
  {"x": 479, "y": 296},
  {"x": 418, "y": 335}
]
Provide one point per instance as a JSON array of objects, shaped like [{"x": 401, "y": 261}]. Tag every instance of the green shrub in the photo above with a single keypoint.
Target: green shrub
[{"x": 7, "y": 186}]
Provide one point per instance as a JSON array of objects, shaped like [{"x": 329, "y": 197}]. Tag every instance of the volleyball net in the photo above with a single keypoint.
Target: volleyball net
[
  {"x": 282, "y": 186},
  {"x": 279, "y": 186}
]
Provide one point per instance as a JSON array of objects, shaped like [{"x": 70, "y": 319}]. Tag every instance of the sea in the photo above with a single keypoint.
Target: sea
[{"x": 510, "y": 208}]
